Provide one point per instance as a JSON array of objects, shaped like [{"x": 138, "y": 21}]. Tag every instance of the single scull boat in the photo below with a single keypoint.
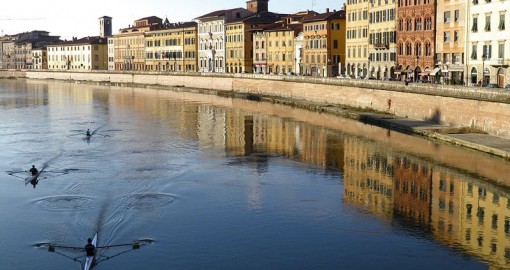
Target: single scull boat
[{"x": 89, "y": 261}]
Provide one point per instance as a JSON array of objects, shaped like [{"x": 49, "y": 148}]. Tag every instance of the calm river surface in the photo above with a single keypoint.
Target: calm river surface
[{"x": 217, "y": 183}]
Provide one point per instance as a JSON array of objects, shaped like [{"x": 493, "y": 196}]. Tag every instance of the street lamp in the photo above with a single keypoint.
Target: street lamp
[
  {"x": 484, "y": 57},
  {"x": 416, "y": 68}
]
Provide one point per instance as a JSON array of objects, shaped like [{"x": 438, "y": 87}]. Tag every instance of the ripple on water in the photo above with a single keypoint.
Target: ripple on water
[
  {"x": 147, "y": 200},
  {"x": 64, "y": 203}
]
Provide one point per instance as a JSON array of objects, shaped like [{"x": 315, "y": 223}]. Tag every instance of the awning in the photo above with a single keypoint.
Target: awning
[
  {"x": 434, "y": 71},
  {"x": 425, "y": 73},
  {"x": 397, "y": 72},
  {"x": 445, "y": 71}
]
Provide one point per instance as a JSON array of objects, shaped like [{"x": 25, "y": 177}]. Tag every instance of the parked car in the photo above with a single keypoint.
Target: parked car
[
  {"x": 492, "y": 85},
  {"x": 507, "y": 86}
]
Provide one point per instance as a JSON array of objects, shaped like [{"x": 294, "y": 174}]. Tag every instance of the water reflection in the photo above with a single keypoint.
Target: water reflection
[
  {"x": 456, "y": 209},
  {"x": 429, "y": 189}
]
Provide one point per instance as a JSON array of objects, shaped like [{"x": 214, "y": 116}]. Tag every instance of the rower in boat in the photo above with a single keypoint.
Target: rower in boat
[
  {"x": 90, "y": 249},
  {"x": 88, "y": 133},
  {"x": 33, "y": 170}
]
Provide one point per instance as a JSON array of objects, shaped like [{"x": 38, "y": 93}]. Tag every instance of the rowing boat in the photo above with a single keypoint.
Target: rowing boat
[
  {"x": 89, "y": 261},
  {"x": 33, "y": 178}
]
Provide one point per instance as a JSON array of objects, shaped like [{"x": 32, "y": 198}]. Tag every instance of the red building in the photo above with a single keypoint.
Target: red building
[{"x": 416, "y": 26}]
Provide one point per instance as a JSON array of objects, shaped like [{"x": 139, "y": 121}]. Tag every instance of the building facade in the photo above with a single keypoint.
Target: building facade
[
  {"x": 451, "y": 40},
  {"x": 172, "y": 47},
  {"x": 382, "y": 39},
  {"x": 240, "y": 41},
  {"x": 129, "y": 44},
  {"x": 357, "y": 38},
  {"x": 281, "y": 54},
  {"x": 39, "y": 58},
  {"x": 26, "y": 42},
  {"x": 324, "y": 44},
  {"x": 211, "y": 38},
  {"x": 85, "y": 54},
  {"x": 416, "y": 29},
  {"x": 488, "y": 43}
]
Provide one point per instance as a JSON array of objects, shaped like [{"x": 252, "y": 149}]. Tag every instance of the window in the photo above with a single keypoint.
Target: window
[
  {"x": 447, "y": 16},
  {"x": 456, "y": 36},
  {"x": 474, "y": 28},
  {"x": 487, "y": 51},
  {"x": 456, "y": 15},
  {"x": 501, "y": 50},
  {"x": 446, "y": 37},
  {"x": 487, "y": 23},
  {"x": 335, "y": 44},
  {"x": 501, "y": 22}
]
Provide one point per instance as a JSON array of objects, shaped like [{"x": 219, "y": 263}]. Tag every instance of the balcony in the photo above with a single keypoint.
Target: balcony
[
  {"x": 381, "y": 46},
  {"x": 500, "y": 62}
]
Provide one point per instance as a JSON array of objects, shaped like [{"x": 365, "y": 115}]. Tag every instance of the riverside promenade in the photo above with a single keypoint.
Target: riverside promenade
[{"x": 471, "y": 117}]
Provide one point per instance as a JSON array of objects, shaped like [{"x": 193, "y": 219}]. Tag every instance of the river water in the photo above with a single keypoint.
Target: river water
[{"x": 217, "y": 183}]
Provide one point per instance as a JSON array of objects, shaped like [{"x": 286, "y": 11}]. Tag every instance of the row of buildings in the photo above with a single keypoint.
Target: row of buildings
[{"x": 443, "y": 41}]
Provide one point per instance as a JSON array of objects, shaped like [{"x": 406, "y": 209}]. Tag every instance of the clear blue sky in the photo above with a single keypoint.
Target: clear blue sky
[{"x": 68, "y": 18}]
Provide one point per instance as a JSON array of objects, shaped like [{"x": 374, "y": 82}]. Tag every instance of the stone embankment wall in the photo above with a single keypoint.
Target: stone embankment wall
[{"x": 480, "y": 108}]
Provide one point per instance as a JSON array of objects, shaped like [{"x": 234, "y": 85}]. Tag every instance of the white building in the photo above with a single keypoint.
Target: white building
[
  {"x": 488, "y": 42},
  {"x": 298, "y": 49},
  {"x": 211, "y": 38}
]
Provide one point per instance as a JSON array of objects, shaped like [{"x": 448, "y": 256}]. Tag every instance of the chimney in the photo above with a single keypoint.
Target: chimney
[{"x": 327, "y": 10}]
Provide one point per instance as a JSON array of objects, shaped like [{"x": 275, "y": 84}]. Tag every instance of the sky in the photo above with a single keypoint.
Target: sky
[{"x": 69, "y": 18}]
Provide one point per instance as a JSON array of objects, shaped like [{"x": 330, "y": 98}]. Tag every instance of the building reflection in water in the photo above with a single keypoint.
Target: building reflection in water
[{"x": 456, "y": 209}]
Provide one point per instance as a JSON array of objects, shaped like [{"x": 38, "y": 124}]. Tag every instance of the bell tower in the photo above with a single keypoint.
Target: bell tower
[
  {"x": 257, "y": 6},
  {"x": 105, "y": 26}
]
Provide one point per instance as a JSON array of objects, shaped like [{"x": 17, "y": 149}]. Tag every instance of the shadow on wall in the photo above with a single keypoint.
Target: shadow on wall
[{"x": 436, "y": 117}]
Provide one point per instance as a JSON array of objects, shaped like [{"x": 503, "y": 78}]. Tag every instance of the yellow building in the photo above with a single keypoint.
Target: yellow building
[
  {"x": 382, "y": 39},
  {"x": 89, "y": 53},
  {"x": 129, "y": 44},
  {"x": 473, "y": 216},
  {"x": 357, "y": 38},
  {"x": 172, "y": 47},
  {"x": 239, "y": 41},
  {"x": 367, "y": 182},
  {"x": 324, "y": 44},
  {"x": 281, "y": 52}
]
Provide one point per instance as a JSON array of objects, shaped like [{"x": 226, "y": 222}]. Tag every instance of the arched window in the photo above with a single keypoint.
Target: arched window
[
  {"x": 400, "y": 49},
  {"x": 418, "y": 49},
  {"x": 409, "y": 49},
  {"x": 428, "y": 23},
  {"x": 409, "y": 25},
  {"x": 401, "y": 25},
  {"x": 428, "y": 49},
  {"x": 417, "y": 24}
]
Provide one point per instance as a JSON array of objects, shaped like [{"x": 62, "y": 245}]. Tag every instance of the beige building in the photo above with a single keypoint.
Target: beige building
[
  {"x": 89, "y": 53},
  {"x": 382, "y": 39},
  {"x": 357, "y": 38},
  {"x": 39, "y": 58},
  {"x": 129, "y": 44},
  {"x": 451, "y": 40},
  {"x": 172, "y": 47}
]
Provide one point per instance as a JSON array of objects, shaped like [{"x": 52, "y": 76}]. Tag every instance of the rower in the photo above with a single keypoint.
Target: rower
[
  {"x": 88, "y": 133},
  {"x": 34, "y": 170},
  {"x": 90, "y": 248}
]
